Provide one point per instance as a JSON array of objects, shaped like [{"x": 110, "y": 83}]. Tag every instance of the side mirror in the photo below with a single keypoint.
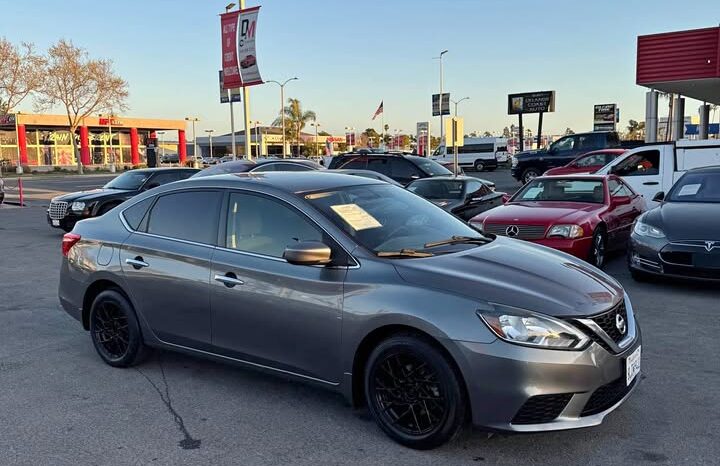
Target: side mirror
[
  {"x": 659, "y": 197},
  {"x": 308, "y": 253}
]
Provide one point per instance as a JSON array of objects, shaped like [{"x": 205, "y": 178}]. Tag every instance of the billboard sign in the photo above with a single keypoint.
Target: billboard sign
[
  {"x": 531, "y": 102},
  {"x": 445, "y": 104},
  {"x": 239, "y": 57},
  {"x": 605, "y": 117}
]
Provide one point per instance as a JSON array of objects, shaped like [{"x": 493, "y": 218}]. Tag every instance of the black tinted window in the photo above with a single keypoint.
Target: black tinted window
[
  {"x": 291, "y": 167},
  {"x": 134, "y": 215},
  {"x": 165, "y": 178},
  {"x": 263, "y": 226},
  {"x": 402, "y": 169},
  {"x": 380, "y": 165},
  {"x": 639, "y": 164},
  {"x": 189, "y": 215},
  {"x": 357, "y": 162}
]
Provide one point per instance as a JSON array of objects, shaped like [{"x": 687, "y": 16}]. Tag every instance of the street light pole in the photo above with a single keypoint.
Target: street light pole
[
  {"x": 316, "y": 125},
  {"x": 456, "y": 103},
  {"x": 282, "y": 107},
  {"x": 442, "y": 129},
  {"x": 210, "y": 131},
  {"x": 193, "y": 119}
]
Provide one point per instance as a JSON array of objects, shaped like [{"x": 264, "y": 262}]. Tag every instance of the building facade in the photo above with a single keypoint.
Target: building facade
[{"x": 33, "y": 140}]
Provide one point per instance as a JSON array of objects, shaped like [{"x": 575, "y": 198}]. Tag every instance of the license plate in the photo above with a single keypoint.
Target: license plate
[
  {"x": 56, "y": 223},
  {"x": 632, "y": 365}
]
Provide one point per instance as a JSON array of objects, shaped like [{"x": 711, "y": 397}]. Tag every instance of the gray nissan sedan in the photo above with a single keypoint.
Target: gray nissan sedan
[{"x": 362, "y": 287}]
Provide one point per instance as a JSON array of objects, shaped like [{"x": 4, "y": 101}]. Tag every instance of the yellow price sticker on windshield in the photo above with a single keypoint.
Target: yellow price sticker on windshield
[{"x": 356, "y": 216}]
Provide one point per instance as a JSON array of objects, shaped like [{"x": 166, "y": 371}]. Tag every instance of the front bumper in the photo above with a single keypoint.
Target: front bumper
[
  {"x": 567, "y": 389},
  {"x": 660, "y": 257},
  {"x": 67, "y": 222},
  {"x": 579, "y": 247}
]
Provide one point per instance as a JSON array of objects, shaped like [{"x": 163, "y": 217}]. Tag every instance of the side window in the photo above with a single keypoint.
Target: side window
[
  {"x": 268, "y": 167},
  {"x": 564, "y": 144},
  {"x": 134, "y": 215},
  {"x": 588, "y": 141},
  {"x": 403, "y": 170},
  {"x": 185, "y": 174},
  {"x": 639, "y": 164},
  {"x": 164, "y": 178},
  {"x": 473, "y": 186},
  {"x": 617, "y": 189},
  {"x": 355, "y": 163},
  {"x": 264, "y": 226},
  {"x": 591, "y": 160},
  {"x": 291, "y": 167},
  {"x": 187, "y": 215},
  {"x": 379, "y": 165}
]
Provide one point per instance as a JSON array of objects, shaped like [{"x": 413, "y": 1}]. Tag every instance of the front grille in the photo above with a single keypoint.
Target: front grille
[
  {"x": 677, "y": 257},
  {"x": 692, "y": 272},
  {"x": 58, "y": 210},
  {"x": 524, "y": 231},
  {"x": 593, "y": 336},
  {"x": 607, "y": 322},
  {"x": 542, "y": 408},
  {"x": 606, "y": 396}
]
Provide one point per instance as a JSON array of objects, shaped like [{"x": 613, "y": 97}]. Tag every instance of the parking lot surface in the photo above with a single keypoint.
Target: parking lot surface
[{"x": 60, "y": 405}]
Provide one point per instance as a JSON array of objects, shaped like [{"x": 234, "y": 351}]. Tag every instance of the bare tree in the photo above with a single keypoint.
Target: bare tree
[
  {"x": 21, "y": 73},
  {"x": 82, "y": 85}
]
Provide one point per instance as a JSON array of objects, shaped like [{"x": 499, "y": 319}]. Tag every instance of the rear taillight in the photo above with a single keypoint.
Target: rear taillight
[{"x": 69, "y": 240}]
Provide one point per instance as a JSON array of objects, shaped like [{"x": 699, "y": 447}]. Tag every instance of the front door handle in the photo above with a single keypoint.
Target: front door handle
[
  {"x": 651, "y": 183},
  {"x": 137, "y": 263},
  {"x": 229, "y": 280}
]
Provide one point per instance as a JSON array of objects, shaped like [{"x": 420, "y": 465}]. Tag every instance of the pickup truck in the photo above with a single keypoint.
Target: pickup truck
[
  {"x": 530, "y": 164},
  {"x": 654, "y": 168}
]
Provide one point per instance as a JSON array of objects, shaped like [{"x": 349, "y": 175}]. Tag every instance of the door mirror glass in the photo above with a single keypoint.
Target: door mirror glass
[
  {"x": 659, "y": 197},
  {"x": 308, "y": 253}
]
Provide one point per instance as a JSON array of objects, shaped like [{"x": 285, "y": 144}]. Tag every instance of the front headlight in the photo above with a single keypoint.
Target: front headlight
[
  {"x": 513, "y": 162},
  {"x": 77, "y": 206},
  {"x": 528, "y": 328},
  {"x": 566, "y": 231},
  {"x": 643, "y": 229}
]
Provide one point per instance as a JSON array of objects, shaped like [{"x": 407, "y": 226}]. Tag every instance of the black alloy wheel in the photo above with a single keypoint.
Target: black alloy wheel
[
  {"x": 530, "y": 174},
  {"x": 598, "y": 249},
  {"x": 414, "y": 393},
  {"x": 115, "y": 331}
]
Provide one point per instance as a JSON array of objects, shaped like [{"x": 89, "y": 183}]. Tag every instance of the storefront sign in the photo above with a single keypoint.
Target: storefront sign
[
  {"x": 605, "y": 117},
  {"x": 239, "y": 56},
  {"x": 110, "y": 122},
  {"x": 531, "y": 102}
]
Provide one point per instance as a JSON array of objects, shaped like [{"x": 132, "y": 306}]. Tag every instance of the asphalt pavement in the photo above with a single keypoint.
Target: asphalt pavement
[{"x": 60, "y": 405}]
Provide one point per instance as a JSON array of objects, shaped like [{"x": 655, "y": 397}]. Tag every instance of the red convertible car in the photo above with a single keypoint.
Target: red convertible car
[
  {"x": 247, "y": 62},
  {"x": 588, "y": 162},
  {"x": 583, "y": 215}
]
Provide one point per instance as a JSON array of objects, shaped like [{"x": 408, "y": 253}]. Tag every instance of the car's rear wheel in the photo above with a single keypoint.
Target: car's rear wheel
[
  {"x": 414, "y": 393},
  {"x": 115, "y": 331},
  {"x": 530, "y": 174},
  {"x": 598, "y": 249},
  {"x": 479, "y": 165}
]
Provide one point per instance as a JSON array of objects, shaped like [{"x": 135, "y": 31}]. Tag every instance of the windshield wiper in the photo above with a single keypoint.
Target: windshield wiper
[
  {"x": 403, "y": 253},
  {"x": 458, "y": 240}
]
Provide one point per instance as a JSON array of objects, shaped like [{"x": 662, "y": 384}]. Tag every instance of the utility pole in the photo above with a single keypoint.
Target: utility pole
[
  {"x": 210, "y": 131},
  {"x": 456, "y": 103},
  {"x": 316, "y": 125},
  {"x": 442, "y": 129},
  {"x": 193, "y": 119},
  {"x": 246, "y": 108}
]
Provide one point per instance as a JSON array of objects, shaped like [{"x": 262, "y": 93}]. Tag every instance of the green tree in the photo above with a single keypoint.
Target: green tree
[
  {"x": 635, "y": 129},
  {"x": 295, "y": 120},
  {"x": 372, "y": 136},
  {"x": 506, "y": 132},
  {"x": 487, "y": 134},
  {"x": 569, "y": 131}
]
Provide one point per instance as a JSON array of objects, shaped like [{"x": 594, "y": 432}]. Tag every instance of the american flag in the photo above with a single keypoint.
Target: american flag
[{"x": 379, "y": 110}]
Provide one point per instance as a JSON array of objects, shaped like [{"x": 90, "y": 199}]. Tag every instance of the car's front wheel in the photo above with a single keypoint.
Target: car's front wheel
[
  {"x": 479, "y": 165},
  {"x": 115, "y": 331},
  {"x": 598, "y": 249},
  {"x": 414, "y": 393},
  {"x": 530, "y": 174}
]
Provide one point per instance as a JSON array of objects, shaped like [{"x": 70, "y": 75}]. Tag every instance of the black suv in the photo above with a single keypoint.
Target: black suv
[
  {"x": 402, "y": 168},
  {"x": 66, "y": 210}
]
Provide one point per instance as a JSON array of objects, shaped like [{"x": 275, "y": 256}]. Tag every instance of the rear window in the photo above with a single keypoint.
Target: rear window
[{"x": 431, "y": 167}]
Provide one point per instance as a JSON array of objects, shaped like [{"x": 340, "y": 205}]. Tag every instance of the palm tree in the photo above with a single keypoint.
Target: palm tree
[{"x": 295, "y": 120}]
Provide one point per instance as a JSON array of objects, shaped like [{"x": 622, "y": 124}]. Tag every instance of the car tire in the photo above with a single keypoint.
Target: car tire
[
  {"x": 410, "y": 372},
  {"x": 115, "y": 331},
  {"x": 479, "y": 165},
  {"x": 598, "y": 248},
  {"x": 530, "y": 174}
]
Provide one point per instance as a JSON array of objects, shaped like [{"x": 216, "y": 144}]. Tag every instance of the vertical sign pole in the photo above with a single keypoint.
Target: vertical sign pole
[
  {"x": 521, "y": 135},
  {"x": 455, "y": 147},
  {"x": 246, "y": 108},
  {"x": 232, "y": 127},
  {"x": 539, "y": 135}
]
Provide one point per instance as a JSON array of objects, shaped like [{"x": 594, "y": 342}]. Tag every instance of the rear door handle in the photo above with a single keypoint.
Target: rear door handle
[
  {"x": 651, "y": 183},
  {"x": 137, "y": 263},
  {"x": 229, "y": 280}
]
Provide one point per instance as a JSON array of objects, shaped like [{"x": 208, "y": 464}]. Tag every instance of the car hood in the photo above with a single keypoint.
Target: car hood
[
  {"x": 94, "y": 195},
  {"x": 529, "y": 153},
  {"x": 686, "y": 220},
  {"x": 520, "y": 274},
  {"x": 540, "y": 213}
]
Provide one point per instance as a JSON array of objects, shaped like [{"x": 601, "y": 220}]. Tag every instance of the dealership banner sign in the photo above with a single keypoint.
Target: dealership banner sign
[
  {"x": 531, "y": 102},
  {"x": 605, "y": 117},
  {"x": 438, "y": 107},
  {"x": 239, "y": 57}
]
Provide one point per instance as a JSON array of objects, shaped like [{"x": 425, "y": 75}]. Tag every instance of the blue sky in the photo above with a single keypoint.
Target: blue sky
[{"x": 351, "y": 55}]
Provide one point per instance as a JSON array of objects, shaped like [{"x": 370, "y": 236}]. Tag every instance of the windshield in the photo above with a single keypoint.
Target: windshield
[
  {"x": 385, "y": 218},
  {"x": 431, "y": 167},
  {"x": 563, "y": 190},
  {"x": 130, "y": 181},
  {"x": 696, "y": 187},
  {"x": 437, "y": 189}
]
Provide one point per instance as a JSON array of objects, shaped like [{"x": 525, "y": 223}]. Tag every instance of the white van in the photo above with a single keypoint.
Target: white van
[
  {"x": 652, "y": 168},
  {"x": 476, "y": 154}
]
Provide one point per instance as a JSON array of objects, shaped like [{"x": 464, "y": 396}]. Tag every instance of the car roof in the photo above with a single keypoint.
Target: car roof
[
  {"x": 587, "y": 176},
  {"x": 290, "y": 182},
  {"x": 162, "y": 169},
  {"x": 287, "y": 160},
  {"x": 710, "y": 169},
  {"x": 614, "y": 150},
  {"x": 446, "y": 178}
]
